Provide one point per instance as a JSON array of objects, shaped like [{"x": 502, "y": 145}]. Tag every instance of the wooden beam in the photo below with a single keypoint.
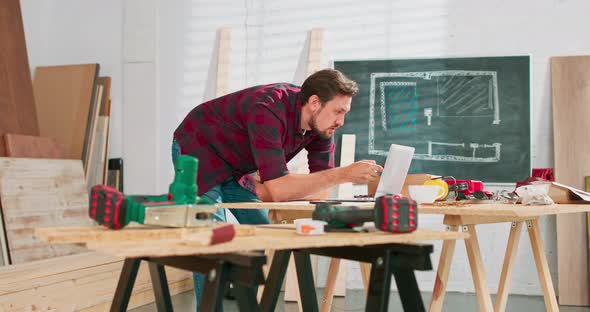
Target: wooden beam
[{"x": 223, "y": 61}]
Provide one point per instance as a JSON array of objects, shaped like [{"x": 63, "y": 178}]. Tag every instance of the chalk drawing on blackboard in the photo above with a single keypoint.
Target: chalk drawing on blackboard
[
  {"x": 473, "y": 153},
  {"x": 459, "y": 94},
  {"x": 399, "y": 105}
]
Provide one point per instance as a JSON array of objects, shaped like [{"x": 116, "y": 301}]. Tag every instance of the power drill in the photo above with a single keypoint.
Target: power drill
[
  {"x": 391, "y": 213},
  {"x": 180, "y": 207}
]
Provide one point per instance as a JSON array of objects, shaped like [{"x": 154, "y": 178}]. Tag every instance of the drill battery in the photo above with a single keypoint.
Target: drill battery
[{"x": 396, "y": 214}]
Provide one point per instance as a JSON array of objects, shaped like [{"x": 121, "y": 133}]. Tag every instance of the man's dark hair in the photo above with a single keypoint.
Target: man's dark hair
[{"x": 326, "y": 84}]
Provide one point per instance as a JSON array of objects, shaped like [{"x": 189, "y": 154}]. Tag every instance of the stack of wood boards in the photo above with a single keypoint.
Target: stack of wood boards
[
  {"x": 73, "y": 107},
  {"x": 40, "y": 193},
  {"x": 82, "y": 282},
  {"x": 17, "y": 106},
  {"x": 570, "y": 78}
]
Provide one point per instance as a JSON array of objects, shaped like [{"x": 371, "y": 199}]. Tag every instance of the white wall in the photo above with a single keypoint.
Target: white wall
[
  {"x": 76, "y": 32},
  {"x": 267, "y": 38}
]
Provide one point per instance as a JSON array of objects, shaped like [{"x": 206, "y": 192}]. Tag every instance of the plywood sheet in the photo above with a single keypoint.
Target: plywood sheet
[
  {"x": 41, "y": 193},
  {"x": 570, "y": 79},
  {"x": 64, "y": 98},
  {"x": 17, "y": 106},
  {"x": 28, "y": 146}
]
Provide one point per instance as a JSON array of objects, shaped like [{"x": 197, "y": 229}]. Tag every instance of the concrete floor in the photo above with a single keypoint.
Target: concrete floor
[{"x": 355, "y": 301}]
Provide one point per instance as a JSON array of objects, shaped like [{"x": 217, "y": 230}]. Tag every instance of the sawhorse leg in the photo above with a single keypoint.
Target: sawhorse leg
[
  {"x": 326, "y": 304},
  {"x": 408, "y": 290},
  {"x": 397, "y": 259},
  {"x": 125, "y": 284},
  {"x": 542, "y": 266},
  {"x": 215, "y": 281},
  {"x": 274, "y": 280},
  {"x": 442, "y": 273},
  {"x": 309, "y": 300},
  {"x": 379, "y": 285},
  {"x": 477, "y": 270},
  {"x": 509, "y": 260}
]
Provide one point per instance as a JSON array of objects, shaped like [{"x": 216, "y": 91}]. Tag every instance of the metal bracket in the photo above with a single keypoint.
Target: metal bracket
[{"x": 529, "y": 224}]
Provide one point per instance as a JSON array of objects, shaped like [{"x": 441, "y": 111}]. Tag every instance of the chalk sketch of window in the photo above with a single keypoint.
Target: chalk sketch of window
[
  {"x": 399, "y": 101},
  {"x": 459, "y": 93}
]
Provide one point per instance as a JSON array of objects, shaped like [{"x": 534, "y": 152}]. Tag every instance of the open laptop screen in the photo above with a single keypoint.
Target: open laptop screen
[{"x": 393, "y": 176}]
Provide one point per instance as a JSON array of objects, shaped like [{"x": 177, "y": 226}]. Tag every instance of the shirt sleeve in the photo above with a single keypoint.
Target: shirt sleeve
[
  {"x": 320, "y": 154},
  {"x": 265, "y": 131}
]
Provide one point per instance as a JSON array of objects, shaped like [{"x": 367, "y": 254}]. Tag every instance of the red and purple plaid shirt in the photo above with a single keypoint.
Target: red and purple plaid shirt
[{"x": 258, "y": 128}]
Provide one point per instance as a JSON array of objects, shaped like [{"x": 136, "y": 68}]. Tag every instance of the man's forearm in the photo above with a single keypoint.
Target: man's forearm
[{"x": 298, "y": 186}]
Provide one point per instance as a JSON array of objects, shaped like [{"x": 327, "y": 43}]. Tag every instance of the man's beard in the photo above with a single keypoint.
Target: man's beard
[{"x": 314, "y": 127}]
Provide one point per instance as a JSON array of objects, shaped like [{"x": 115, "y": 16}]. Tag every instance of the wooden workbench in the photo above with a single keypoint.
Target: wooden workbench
[
  {"x": 396, "y": 254},
  {"x": 464, "y": 217}
]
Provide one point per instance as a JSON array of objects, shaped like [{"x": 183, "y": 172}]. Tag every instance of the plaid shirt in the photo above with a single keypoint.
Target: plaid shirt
[{"x": 258, "y": 128}]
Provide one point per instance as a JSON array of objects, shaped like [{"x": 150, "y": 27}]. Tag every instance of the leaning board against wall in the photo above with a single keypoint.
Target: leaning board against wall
[{"x": 466, "y": 117}]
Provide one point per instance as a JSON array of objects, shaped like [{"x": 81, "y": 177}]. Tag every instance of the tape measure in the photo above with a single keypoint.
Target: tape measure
[
  {"x": 309, "y": 227},
  {"x": 443, "y": 187}
]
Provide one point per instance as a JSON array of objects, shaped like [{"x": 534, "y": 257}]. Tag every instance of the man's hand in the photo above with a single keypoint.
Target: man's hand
[
  {"x": 297, "y": 186},
  {"x": 362, "y": 172}
]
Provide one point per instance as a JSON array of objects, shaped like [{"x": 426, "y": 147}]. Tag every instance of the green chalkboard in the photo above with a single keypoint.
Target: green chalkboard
[{"x": 466, "y": 117}]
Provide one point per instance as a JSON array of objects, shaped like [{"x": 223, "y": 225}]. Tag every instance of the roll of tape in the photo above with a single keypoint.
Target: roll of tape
[
  {"x": 444, "y": 187},
  {"x": 309, "y": 227}
]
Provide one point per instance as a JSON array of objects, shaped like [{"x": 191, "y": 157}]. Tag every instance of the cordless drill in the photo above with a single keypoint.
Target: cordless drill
[
  {"x": 391, "y": 213},
  {"x": 179, "y": 207}
]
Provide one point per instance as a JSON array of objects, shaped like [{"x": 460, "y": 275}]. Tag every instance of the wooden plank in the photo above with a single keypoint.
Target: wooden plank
[
  {"x": 105, "y": 112},
  {"x": 345, "y": 190},
  {"x": 20, "y": 145},
  {"x": 570, "y": 79},
  {"x": 37, "y": 269},
  {"x": 80, "y": 290},
  {"x": 96, "y": 164},
  {"x": 87, "y": 276},
  {"x": 105, "y": 102},
  {"x": 91, "y": 144},
  {"x": 276, "y": 239},
  {"x": 139, "y": 299},
  {"x": 314, "y": 53},
  {"x": 64, "y": 97},
  {"x": 223, "y": 61},
  {"x": 62, "y": 235},
  {"x": 41, "y": 192},
  {"x": 112, "y": 270},
  {"x": 17, "y": 105},
  {"x": 4, "y": 260}
]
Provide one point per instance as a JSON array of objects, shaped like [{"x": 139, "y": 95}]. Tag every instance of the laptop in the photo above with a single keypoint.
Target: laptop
[{"x": 393, "y": 176}]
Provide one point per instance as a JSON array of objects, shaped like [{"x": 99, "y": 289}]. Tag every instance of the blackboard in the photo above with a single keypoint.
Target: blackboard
[{"x": 466, "y": 117}]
